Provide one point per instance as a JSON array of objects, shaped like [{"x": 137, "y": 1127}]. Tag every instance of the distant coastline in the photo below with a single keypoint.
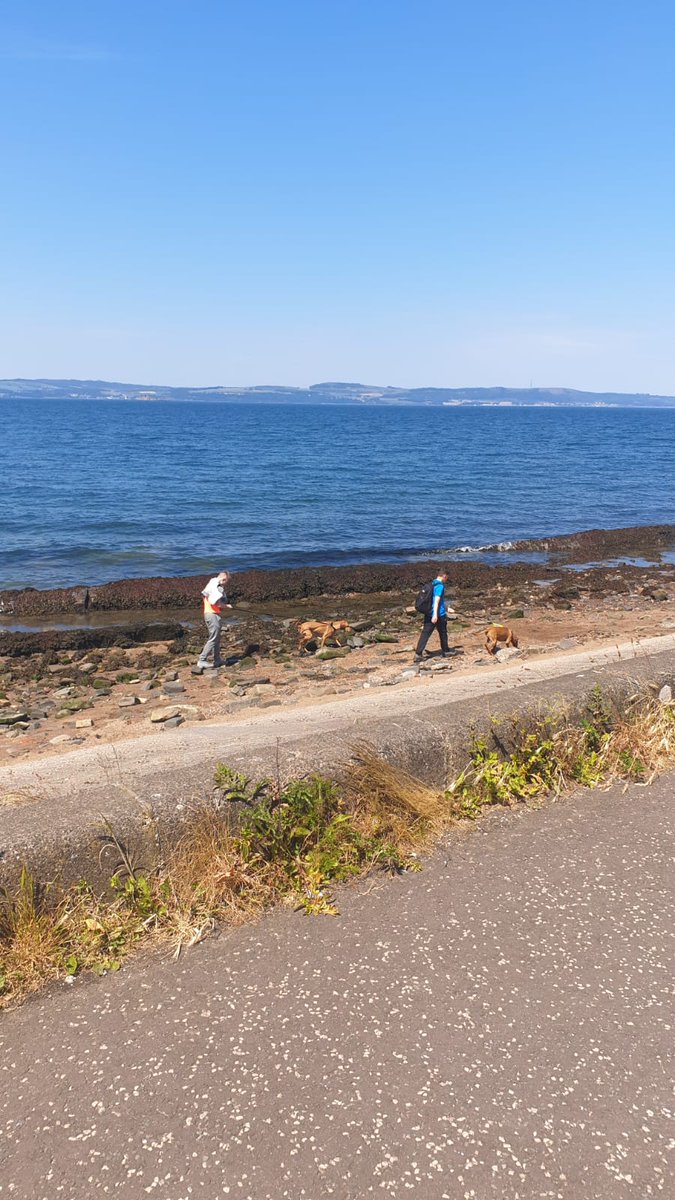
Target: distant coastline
[{"x": 353, "y": 394}]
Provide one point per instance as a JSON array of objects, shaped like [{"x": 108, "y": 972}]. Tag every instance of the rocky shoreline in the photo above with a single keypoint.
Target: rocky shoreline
[
  {"x": 109, "y": 680},
  {"x": 159, "y": 594}
]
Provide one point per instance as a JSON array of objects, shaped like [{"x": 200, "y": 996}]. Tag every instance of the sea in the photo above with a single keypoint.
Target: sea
[{"x": 96, "y": 491}]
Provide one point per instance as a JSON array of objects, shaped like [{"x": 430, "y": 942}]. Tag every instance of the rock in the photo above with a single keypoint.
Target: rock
[
  {"x": 385, "y": 637},
  {"x": 128, "y": 702},
  {"x": 356, "y": 643},
  {"x": 104, "y": 691},
  {"x": 666, "y": 694},
  {"x": 567, "y": 643},
  {"x": 60, "y": 739},
  {"x": 150, "y": 686},
  {"x": 410, "y": 673},
  {"x": 360, "y": 626},
  {"x": 173, "y": 722},
  {"x": 507, "y": 653},
  {"x": 173, "y": 689},
  {"x": 85, "y": 723},
  {"x": 63, "y": 691},
  {"x": 516, "y": 615},
  {"x": 171, "y": 676},
  {"x": 332, "y": 653},
  {"x": 86, "y": 668},
  {"x": 440, "y": 665},
  {"x": 410, "y": 610},
  {"x": 100, "y": 684},
  {"x": 54, "y": 668},
  {"x": 164, "y": 714},
  {"x": 262, "y": 689},
  {"x": 11, "y": 718},
  {"x": 196, "y": 670}
]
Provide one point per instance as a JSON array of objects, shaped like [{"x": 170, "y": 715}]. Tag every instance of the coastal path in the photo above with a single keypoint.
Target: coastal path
[{"x": 497, "y": 1025}]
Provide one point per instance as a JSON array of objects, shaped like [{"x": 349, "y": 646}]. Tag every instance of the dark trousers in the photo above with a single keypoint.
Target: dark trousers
[{"x": 427, "y": 630}]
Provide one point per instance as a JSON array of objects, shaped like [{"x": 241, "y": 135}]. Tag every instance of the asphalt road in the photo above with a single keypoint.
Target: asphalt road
[{"x": 498, "y": 1025}]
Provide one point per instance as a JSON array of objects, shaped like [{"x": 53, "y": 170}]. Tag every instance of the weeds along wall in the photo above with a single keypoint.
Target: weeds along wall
[{"x": 59, "y": 835}]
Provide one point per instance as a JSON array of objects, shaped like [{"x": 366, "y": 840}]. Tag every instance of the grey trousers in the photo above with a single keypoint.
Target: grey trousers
[{"x": 213, "y": 642}]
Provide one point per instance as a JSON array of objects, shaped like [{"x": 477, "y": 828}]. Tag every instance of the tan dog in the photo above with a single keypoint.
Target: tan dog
[
  {"x": 321, "y": 632},
  {"x": 499, "y": 633}
]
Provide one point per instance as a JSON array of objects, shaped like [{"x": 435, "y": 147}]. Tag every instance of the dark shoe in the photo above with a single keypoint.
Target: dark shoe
[{"x": 418, "y": 658}]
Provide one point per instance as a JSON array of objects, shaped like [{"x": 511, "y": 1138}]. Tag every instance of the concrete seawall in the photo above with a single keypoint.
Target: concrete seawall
[{"x": 51, "y": 809}]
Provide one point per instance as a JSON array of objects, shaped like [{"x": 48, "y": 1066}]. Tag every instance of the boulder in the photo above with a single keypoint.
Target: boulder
[{"x": 164, "y": 714}]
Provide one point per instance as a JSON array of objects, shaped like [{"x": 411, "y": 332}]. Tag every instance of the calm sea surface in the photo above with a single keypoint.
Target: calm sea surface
[{"x": 97, "y": 491}]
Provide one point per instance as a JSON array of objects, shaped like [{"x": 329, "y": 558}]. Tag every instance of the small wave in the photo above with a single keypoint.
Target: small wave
[{"x": 492, "y": 548}]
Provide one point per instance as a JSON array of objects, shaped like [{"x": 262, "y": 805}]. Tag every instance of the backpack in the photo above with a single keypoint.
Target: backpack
[{"x": 425, "y": 600}]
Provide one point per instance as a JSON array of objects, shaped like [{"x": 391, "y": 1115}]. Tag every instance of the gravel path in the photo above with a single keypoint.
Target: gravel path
[{"x": 498, "y": 1025}]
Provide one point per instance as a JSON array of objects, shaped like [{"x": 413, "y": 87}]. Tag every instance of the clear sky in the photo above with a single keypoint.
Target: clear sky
[{"x": 413, "y": 192}]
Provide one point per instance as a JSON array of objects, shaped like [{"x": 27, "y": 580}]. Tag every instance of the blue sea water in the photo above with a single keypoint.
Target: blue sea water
[{"x": 97, "y": 491}]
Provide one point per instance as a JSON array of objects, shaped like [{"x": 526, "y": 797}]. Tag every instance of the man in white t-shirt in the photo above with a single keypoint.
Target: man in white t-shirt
[{"x": 215, "y": 600}]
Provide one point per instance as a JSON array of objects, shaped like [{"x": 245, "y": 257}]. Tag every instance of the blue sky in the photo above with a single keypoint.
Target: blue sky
[{"x": 288, "y": 191}]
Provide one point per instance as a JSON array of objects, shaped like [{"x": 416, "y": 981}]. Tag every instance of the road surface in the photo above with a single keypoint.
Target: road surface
[{"x": 499, "y": 1025}]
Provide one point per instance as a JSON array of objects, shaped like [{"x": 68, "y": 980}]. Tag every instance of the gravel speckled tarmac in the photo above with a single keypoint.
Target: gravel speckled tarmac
[{"x": 497, "y": 1025}]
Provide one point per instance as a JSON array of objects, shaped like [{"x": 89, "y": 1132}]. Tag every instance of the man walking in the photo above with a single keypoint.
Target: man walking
[
  {"x": 436, "y": 617},
  {"x": 215, "y": 600}
]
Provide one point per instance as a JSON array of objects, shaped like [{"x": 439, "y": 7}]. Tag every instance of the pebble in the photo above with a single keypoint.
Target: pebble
[
  {"x": 666, "y": 694},
  {"x": 171, "y": 689},
  {"x": 61, "y": 737},
  {"x": 128, "y": 702},
  {"x": 85, "y": 723}
]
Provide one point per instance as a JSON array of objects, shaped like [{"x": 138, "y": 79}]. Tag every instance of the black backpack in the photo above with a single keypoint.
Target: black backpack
[{"x": 425, "y": 600}]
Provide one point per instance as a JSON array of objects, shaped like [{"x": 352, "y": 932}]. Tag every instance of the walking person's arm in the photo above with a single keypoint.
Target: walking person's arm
[{"x": 437, "y": 603}]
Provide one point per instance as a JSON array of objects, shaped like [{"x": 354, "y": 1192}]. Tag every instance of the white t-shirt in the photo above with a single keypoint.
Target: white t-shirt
[{"x": 215, "y": 593}]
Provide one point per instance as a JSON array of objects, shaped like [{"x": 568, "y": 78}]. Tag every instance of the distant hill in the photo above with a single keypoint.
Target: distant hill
[{"x": 327, "y": 393}]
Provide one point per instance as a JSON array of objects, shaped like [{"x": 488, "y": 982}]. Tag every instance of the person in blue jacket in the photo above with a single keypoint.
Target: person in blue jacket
[{"x": 436, "y": 618}]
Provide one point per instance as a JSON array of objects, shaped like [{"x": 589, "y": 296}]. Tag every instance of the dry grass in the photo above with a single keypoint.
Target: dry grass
[
  {"x": 294, "y": 843},
  {"x": 389, "y": 803}
]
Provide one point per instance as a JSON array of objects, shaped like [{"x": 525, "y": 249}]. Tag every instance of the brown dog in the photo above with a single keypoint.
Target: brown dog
[
  {"x": 321, "y": 632},
  {"x": 499, "y": 633}
]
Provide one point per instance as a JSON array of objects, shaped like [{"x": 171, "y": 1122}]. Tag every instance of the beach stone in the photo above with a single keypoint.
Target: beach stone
[
  {"x": 567, "y": 643},
  {"x": 164, "y": 714},
  {"x": 171, "y": 676},
  {"x": 196, "y": 670},
  {"x": 356, "y": 643},
  {"x": 86, "y": 668},
  {"x": 85, "y": 723},
  {"x": 173, "y": 722},
  {"x": 60, "y": 739},
  {"x": 63, "y": 691},
  {"x": 440, "y": 666},
  {"x": 128, "y": 702},
  {"x": 385, "y": 637},
  {"x": 666, "y": 694},
  {"x": 507, "y": 654},
  {"x": 410, "y": 673},
  {"x": 322, "y": 655},
  {"x": 171, "y": 689},
  {"x": 54, "y": 668},
  {"x": 12, "y": 718}
]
